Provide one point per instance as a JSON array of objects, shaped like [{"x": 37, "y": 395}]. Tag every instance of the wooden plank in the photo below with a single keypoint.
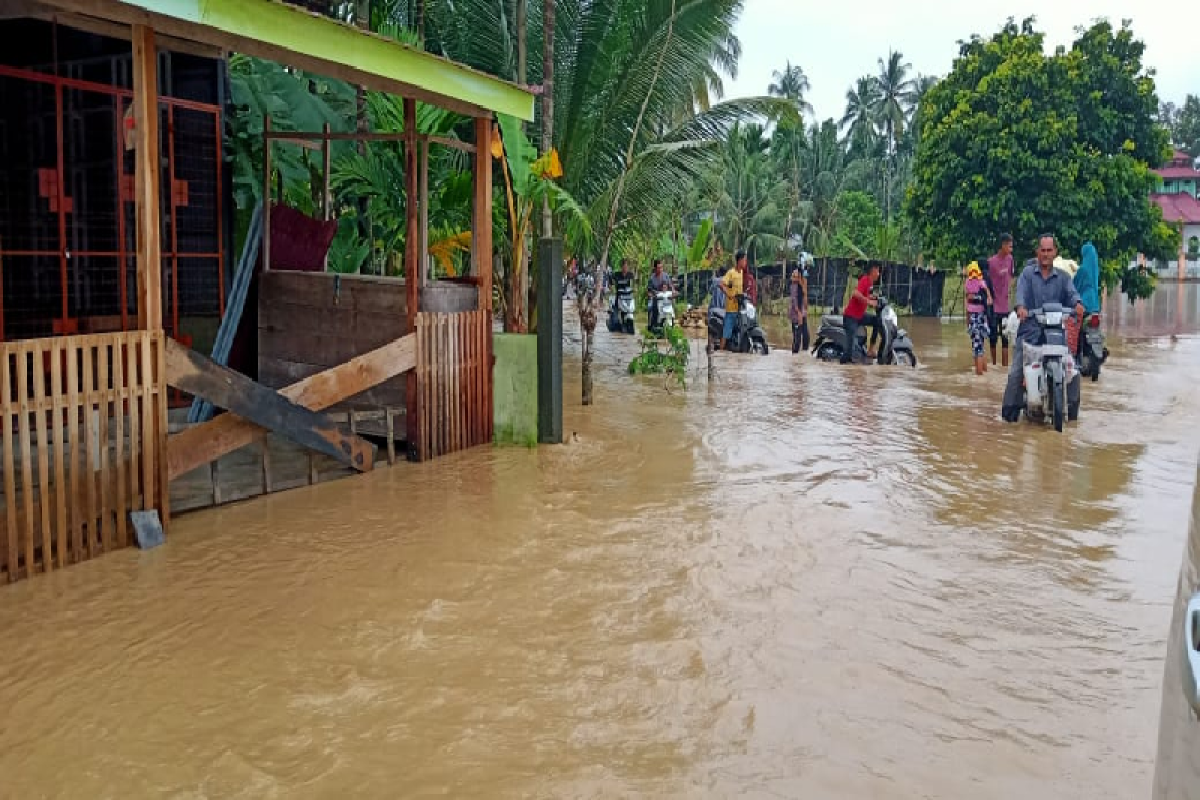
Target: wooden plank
[
  {"x": 391, "y": 436},
  {"x": 90, "y": 432},
  {"x": 75, "y": 452},
  {"x": 265, "y": 445},
  {"x": 204, "y": 443},
  {"x": 10, "y": 484},
  {"x": 361, "y": 293},
  {"x": 121, "y": 505},
  {"x": 412, "y": 243},
  {"x": 21, "y": 378},
  {"x": 103, "y": 406},
  {"x": 38, "y": 378},
  {"x": 137, "y": 398},
  {"x": 149, "y": 434},
  {"x": 158, "y": 341},
  {"x": 194, "y": 373},
  {"x": 58, "y": 424},
  {"x": 146, "y": 179}
]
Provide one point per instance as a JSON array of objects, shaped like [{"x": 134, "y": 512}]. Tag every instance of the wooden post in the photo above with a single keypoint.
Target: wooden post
[
  {"x": 426, "y": 266},
  {"x": 482, "y": 226},
  {"x": 147, "y": 178},
  {"x": 266, "y": 197},
  {"x": 412, "y": 282}
]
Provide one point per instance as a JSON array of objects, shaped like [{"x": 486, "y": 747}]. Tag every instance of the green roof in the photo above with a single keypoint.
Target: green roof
[{"x": 299, "y": 38}]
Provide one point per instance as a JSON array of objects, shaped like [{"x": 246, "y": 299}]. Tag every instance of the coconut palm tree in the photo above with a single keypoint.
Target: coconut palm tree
[
  {"x": 893, "y": 97},
  {"x": 858, "y": 122},
  {"x": 792, "y": 84}
]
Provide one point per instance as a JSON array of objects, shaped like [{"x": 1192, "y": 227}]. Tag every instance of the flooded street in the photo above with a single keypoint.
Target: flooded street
[{"x": 799, "y": 581}]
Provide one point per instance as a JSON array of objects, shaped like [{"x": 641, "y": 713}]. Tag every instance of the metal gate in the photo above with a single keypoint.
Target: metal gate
[{"x": 67, "y": 234}]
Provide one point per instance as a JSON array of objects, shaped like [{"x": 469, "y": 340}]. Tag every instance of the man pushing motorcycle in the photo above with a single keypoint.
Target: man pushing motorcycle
[{"x": 1040, "y": 283}]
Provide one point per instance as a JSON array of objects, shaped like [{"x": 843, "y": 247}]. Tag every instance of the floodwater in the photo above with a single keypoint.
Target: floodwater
[{"x": 799, "y": 581}]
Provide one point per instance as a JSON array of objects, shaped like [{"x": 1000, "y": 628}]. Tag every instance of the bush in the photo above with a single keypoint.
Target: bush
[{"x": 666, "y": 355}]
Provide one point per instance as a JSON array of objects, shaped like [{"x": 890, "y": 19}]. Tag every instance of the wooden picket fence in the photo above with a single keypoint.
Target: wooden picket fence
[
  {"x": 84, "y": 443},
  {"x": 453, "y": 382}
]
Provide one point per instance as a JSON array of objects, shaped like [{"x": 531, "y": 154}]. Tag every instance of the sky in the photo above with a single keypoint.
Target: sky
[{"x": 836, "y": 43}]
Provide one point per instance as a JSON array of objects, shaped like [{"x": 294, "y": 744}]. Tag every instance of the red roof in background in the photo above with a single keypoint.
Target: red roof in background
[
  {"x": 1180, "y": 166},
  {"x": 1178, "y": 207}
]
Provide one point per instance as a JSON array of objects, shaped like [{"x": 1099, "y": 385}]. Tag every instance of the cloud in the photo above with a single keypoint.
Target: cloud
[{"x": 835, "y": 43}]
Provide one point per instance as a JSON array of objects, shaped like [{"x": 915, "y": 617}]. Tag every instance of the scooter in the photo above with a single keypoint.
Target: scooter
[
  {"x": 895, "y": 348},
  {"x": 620, "y": 314},
  {"x": 665, "y": 305},
  {"x": 1092, "y": 352},
  {"x": 1048, "y": 368},
  {"x": 748, "y": 337}
]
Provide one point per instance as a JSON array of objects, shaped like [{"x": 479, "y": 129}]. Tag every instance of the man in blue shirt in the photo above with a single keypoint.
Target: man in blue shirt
[{"x": 1040, "y": 283}]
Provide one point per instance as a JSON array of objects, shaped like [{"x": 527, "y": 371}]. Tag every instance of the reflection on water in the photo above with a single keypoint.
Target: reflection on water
[{"x": 801, "y": 580}]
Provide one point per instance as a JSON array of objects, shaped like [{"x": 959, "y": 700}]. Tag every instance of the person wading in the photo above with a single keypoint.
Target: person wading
[
  {"x": 856, "y": 315},
  {"x": 732, "y": 285},
  {"x": 1040, "y": 283},
  {"x": 798, "y": 312},
  {"x": 979, "y": 297},
  {"x": 999, "y": 276}
]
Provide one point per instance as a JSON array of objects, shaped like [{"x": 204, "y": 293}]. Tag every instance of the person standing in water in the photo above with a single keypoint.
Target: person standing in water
[
  {"x": 798, "y": 312},
  {"x": 979, "y": 297},
  {"x": 1000, "y": 271}
]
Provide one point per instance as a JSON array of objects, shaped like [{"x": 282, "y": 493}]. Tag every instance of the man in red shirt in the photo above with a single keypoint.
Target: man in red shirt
[{"x": 856, "y": 314}]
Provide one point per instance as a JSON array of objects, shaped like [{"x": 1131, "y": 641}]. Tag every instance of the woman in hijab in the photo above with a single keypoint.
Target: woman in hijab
[
  {"x": 979, "y": 297},
  {"x": 1087, "y": 279}
]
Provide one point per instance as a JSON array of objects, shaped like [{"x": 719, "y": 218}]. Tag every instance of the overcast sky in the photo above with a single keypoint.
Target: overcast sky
[{"x": 837, "y": 42}]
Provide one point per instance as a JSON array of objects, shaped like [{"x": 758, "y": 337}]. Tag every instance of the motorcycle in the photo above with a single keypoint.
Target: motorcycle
[
  {"x": 748, "y": 337},
  {"x": 620, "y": 314},
  {"x": 895, "y": 348},
  {"x": 1092, "y": 352},
  {"x": 1048, "y": 368},
  {"x": 665, "y": 305}
]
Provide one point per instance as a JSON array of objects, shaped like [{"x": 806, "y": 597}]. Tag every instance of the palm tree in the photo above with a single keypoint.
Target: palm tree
[
  {"x": 791, "y": 84},
  {"x": 894, "y": 97},
  {"x": 862, "y": 102}
]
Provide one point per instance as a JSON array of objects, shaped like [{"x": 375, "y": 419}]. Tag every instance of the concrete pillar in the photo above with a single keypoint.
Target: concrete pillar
[{"x": 549, "y": 345}]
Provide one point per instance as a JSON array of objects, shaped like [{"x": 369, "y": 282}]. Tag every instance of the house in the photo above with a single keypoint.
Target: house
[{"x": 1178, "y": 199}]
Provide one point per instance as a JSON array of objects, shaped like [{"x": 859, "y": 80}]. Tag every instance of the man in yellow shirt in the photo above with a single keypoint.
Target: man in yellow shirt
[{"x": 731, "y": 284}]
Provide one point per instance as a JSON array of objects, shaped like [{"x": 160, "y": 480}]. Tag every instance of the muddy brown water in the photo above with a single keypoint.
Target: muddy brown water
[{"x": 800, "y": 580}]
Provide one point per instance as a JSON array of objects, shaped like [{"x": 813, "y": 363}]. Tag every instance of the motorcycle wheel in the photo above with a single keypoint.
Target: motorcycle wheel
[
  {"x": 829, "y": 352},
  {"x": 1059, "y": 401},
  {"x": 904, "y": 358},
  {"x": 759, "y": 346},
  {"x": 1096, "y": 370},
  {"x": 629, "y": 327}
]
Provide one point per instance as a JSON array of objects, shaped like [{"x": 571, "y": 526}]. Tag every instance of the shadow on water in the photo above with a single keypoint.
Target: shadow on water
[{"x": 798, "y": 580}]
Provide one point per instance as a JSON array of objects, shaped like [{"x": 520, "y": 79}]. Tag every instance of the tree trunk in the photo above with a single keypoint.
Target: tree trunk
[
  {"x": 616, "y": 203},
  {"x": 420, "y": 22},
  {"x": 547, "y": 102},
  {"x": 522, "y": 33}
]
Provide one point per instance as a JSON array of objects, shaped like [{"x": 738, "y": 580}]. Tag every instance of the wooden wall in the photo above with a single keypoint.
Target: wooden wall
[{"x": 309, "y": 322}]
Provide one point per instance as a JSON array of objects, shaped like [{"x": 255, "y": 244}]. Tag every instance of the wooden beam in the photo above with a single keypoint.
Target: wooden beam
[
  {"x": 482, "y": 211},
  {"x": 302, "y": 137},
  {"x": 202, "y": 444},
  {"x": 146, "y": 179},
  {"x": 426, "y": 265},
  {"x": 412, "y": 394},
  {"x": 221, "y": 386}
]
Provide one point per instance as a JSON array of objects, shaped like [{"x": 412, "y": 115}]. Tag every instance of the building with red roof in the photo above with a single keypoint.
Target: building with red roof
[{"x": 1179, "y": 199}]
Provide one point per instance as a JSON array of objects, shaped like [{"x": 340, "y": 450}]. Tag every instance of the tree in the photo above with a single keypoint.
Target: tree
[
  {"x": 791, "y": 84},
  {"x": 858, "y": 223},
  {"x": 859, "y": 120},
  {"x": 1017, "y": 141},
  {"x": 893, "y": 97},
  {"x": 1185, "y": 134}
]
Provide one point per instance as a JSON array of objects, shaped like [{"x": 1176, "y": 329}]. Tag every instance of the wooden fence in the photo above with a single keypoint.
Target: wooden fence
[
  {"x": 84, "y": 443},
  {"x": 453, "y": 383}
]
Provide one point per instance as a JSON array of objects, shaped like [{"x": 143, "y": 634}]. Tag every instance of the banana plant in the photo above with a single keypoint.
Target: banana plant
[{"x": 528, "y": 181}]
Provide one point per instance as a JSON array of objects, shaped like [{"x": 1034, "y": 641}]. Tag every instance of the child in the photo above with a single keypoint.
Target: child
[{"x": 979, "y": 297}]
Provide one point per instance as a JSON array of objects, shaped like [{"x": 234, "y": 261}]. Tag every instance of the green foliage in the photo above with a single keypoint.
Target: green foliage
[
  {"x": 1183, "y": 124},
  {"x": 1137, "y": 284},
  {"x": 859, "y": 220},
  {"x": 1014, "y": 140},
  {"x": 667, "y": 355}
]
